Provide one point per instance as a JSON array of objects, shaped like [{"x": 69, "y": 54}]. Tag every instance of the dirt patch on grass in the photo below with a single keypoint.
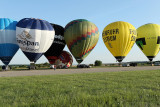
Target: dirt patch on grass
[{"x": 71, "y": 71}]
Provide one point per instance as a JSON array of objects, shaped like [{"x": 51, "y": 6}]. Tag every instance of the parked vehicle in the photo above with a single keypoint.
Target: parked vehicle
[
  {"x": 156, "y": 64},
  {"x": 125, "y": 65},
  {"x": 133, "y": 64},
  {"x": 83, "y": 66}
]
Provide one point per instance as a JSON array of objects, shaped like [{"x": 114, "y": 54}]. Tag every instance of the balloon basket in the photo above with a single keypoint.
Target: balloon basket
[
  {"x": 6, "y": 68},
  {"x": 120, "y": 64},
  {"x": 152, "y": 63},
  {"x": 32, "y": 66}
]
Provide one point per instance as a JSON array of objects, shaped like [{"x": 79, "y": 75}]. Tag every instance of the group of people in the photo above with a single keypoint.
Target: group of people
[{"x": 60, "y": 67}]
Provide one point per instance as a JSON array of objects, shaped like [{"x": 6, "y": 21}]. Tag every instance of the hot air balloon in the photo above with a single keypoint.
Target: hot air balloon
[
  {"x": 65, "y": 60},
  {"x": 119, "y": 37},
  {"x": 8, "y": 44},
  {"x": 148, "y": 39},
  {"x": 34, "y": 37},
  {"x": 81, "y": 37},
  {"x": 58, "y": 44}
]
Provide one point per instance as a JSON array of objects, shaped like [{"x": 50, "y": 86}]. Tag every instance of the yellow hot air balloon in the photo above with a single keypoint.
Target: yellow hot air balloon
[
  {"x": 119, "y": 37},
  {"x": 148, "y": 39}
]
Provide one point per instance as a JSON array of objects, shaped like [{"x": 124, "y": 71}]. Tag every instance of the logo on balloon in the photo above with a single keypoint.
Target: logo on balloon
[
  {"x": 158, "y": 40},
  {"x": 109, "y": 38},
  {"x": 133, "y": 32},
  {"x": 141, "y": 42},
  {"x": 27, "y": 42},
  {"x": 24, "y": 39},
  {"x": 133, "y": 38},
  {"x": 110, "y": 45},
  {"x": 110, "y": 35},
  {"x": 59, "y": 37}
]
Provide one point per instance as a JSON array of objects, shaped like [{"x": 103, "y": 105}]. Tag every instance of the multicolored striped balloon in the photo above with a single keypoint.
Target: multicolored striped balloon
[
  {"x": 64, "y": 60},
  {"x": 81, "y": 37}
]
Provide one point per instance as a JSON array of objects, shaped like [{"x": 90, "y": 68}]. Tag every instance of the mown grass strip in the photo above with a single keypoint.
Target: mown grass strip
[{"x": 129, "y": 88}]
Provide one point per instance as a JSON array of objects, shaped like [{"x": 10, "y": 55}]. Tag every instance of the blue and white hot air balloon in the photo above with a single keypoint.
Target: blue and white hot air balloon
[
  {"x": 8, "y": 44},
  {"x": 34, "y": 37}
]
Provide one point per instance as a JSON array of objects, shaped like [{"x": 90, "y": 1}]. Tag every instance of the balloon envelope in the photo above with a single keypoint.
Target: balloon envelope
[
  {"x": 119, "y": 37},
  {"x": 34, "y": 37},
  {"x": 81, "y": 37},
  {"x": 8, "y": 44},
  {"x": 148, "y": 39},
  {"x": 65, "y": 59},
  {"x": 58, "y": 44}
]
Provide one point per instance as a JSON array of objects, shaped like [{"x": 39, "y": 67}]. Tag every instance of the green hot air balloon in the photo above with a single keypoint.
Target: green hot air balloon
[{"x": 81, "y": 37}]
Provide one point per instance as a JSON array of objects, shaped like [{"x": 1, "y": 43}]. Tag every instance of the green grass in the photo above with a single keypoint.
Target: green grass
[{"x": 116, "y": 89}]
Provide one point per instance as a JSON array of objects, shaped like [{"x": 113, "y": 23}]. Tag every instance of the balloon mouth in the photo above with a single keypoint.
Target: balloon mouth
[
  {"x": 6, "y": 59},
  {"x": 79, "y": 60},
  {"x": 120, "y": 58},
  {"x": 33, "y": 57},
  {"x": 150, "y": 58}
]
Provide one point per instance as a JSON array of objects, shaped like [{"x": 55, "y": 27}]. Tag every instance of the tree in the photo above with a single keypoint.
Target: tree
[
  {"x": 98, "y": 63},
  {"x": 46, "y": 64},
  {"x": 91, "y": 64}
]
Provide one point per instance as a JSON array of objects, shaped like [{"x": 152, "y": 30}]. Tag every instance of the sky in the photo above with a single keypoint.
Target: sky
[{"x": 100, "y": 12}]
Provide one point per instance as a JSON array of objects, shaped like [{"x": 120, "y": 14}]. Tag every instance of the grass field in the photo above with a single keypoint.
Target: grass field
[{"x": 116, "y": 89}]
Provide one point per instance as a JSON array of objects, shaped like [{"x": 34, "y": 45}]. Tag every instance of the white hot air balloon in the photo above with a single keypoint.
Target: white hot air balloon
[{"x": 34, "y": 37}]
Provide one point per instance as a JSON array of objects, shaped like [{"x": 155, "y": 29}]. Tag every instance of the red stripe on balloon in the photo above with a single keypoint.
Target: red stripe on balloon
[
  {"x": 89, "y": 50},
  {"x": 83, "y": 36}
]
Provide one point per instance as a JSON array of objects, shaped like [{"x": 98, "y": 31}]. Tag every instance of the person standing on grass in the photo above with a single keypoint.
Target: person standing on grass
[{"x": 54, "y": 67}]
